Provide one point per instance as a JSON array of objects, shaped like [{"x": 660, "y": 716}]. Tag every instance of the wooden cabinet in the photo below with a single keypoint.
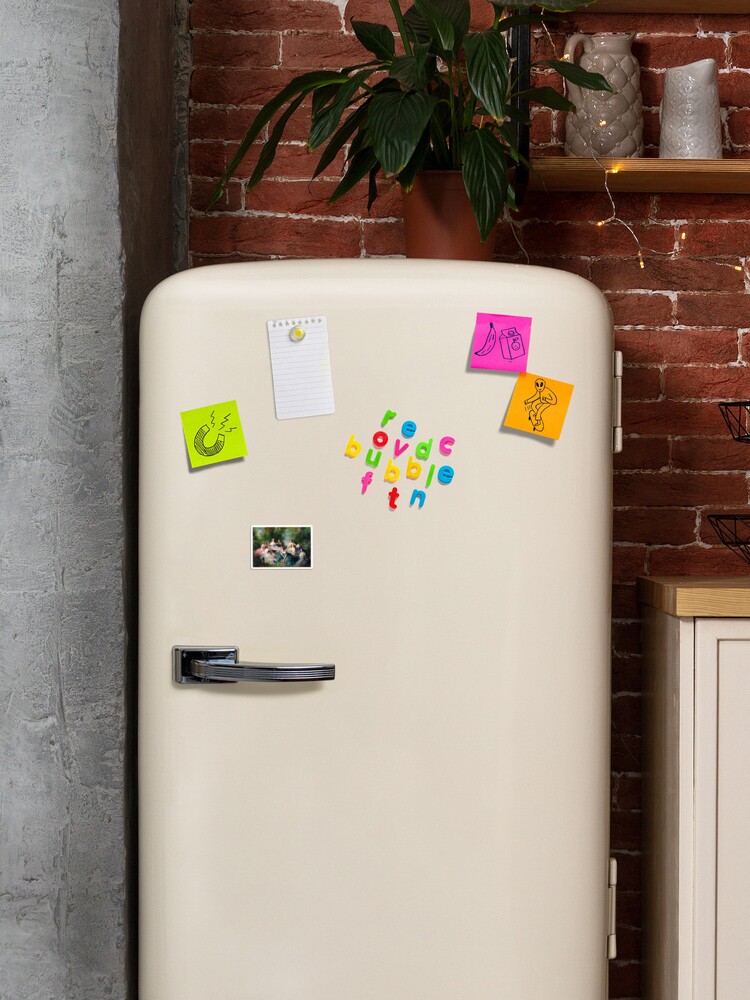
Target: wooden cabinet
[{"x": 697, "y": 788}]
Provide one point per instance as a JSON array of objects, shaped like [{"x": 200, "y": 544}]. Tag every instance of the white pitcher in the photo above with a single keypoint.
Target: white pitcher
[
  {"x": 689, "y": 112},
  {"x": 605, "y": 124}
]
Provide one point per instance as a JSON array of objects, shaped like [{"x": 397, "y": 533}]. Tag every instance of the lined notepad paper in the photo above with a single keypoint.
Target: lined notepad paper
[{"x": 302, "y": 380}]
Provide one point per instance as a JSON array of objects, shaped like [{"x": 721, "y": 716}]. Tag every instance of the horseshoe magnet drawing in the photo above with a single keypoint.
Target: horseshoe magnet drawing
[
  {"x": 213, "y": 434},
  {"x": 200, "y": 445}
]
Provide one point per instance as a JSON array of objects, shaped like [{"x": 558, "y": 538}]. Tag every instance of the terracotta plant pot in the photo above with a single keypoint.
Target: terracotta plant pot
[{"x": 439, "y": 221}]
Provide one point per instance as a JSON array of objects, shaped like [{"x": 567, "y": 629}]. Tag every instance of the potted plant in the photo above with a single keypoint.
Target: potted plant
[{"x": 441, "y": 106}]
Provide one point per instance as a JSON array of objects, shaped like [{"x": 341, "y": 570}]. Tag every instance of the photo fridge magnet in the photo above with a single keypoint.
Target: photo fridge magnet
[{"x": 288, "y": 547}]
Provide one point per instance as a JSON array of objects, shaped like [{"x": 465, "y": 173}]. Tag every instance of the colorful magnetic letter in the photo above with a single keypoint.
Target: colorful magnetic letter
[
  {"x": 446, "y": 445},
  {"x": 423, "y": 450},
  {"x": 392, "y": 472},
  {"x": 392, "y": 498},
  {"x": 353, "y": 447},
  {"x": 539, "y": 405},
  {"x": 408, "y": 428},
  {"x": 369, "y": 460},
  {"x": 418, "y": 495},
  {"x": 389, "y": 415},
  {"x": 400, "y": 450},
  {"x": 501, "y": 343},
  {"x": 413, "y": 469},
  {"x": 366, "y": 480},
  {"x": 445, "y": 474},
  {"x": 213, "y": 434},
  {"x": 380, "y": 439}
]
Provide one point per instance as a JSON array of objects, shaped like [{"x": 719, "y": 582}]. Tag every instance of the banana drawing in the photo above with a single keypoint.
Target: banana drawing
[
  {"x": 489, "y": 342},
  {"x": 203, "y": 449}
]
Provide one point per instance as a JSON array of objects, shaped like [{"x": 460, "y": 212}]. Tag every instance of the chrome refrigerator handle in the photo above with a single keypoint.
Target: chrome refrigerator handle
[{"x": 220, "y": 664}]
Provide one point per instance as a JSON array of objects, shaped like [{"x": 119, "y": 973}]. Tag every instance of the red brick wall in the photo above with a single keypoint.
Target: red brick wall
[{"x": 682, "y": 322}]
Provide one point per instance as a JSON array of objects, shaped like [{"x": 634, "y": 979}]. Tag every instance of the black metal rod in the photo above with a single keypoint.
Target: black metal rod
[{"x": 520, "y": 46}]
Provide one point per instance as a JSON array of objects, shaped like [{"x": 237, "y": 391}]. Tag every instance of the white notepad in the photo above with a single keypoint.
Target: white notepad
[{"x": 301, "y": 369}]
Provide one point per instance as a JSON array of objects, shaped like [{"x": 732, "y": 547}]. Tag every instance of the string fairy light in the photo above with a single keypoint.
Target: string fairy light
[{"x": 614, "y": 217}]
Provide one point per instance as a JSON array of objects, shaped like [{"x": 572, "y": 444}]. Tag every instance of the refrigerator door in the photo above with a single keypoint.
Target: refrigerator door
[{"x": 432, "y": 823}]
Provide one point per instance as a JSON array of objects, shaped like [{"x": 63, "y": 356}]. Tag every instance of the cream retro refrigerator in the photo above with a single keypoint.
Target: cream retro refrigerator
[{"x": 422, "y": 814}]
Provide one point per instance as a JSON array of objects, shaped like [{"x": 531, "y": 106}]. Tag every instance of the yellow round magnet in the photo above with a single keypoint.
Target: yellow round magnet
[{"x": 297, "y": 334}]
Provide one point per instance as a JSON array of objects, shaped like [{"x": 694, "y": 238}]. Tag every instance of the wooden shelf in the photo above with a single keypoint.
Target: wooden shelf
[
  {"x": 667, "y": 7},
  {"x": 569, "y": 173}
]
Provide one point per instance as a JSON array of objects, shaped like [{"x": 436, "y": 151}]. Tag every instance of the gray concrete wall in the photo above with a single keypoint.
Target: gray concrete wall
[{"x": 69, "y": 242}]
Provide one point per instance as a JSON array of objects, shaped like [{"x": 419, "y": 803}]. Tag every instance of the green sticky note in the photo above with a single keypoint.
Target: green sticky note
[{"x": 213, "y": 433}]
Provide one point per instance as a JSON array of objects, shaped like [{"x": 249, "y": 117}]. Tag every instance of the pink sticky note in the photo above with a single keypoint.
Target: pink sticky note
[{"x": 501, "y": 343}]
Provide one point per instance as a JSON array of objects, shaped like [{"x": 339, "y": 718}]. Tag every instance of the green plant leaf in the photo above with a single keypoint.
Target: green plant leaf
[
  {"x": 376, "y": 38},
  {"x": 268, "y": 151},
  {"x": 415, "y": 164},
  {"x": 395, "y": 6},
  {"x": 548, "y": 97},
  {"x": 458, "y": 12},
  {"x": 341, "y": 137},
  {"x": 516, "y": 115},
  {"x": 440, "y": 150},
  {"x": 508, "y": 133},
  {"x": 372, "y": 186},
  {"x": 360, "y": 141},
  {"x": 485, "y": 176},
  {"x": 324, "y": 96},
  {"x": 487, "y": 67},
  {"x": 361, "y": 164},
  {"x": 574, "y": 73},
  {"x": 412, "y": 71},
  {"x": 373, "y": 64},
  {"x": 416, "y": 26},
  {"x": 438, "y": 25},
  {"x": 396, "y": 122},
  {"x": 305, "y": 84},
  {"x": 326, "y": 121}
]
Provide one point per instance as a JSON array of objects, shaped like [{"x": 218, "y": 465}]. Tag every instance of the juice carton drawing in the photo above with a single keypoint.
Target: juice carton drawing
[{"x": 511, "y": 344}]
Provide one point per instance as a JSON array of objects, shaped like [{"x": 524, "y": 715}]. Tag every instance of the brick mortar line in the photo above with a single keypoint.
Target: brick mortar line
[
  {"x": 261, "y": 214},
  {"x": 672, "y": 472},
  {"x": 679, "y": 326}
]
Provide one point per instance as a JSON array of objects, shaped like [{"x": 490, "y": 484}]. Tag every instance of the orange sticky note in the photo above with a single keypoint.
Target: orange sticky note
[{"x": 539, "y": 405}]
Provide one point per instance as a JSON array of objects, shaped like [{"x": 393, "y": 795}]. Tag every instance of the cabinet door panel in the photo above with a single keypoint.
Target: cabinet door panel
[{"x": 722, "y": 809}]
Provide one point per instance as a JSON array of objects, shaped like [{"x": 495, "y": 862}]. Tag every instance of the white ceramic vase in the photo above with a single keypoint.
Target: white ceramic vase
[
  {"x": 690, "y": 120},
  {"x": 605, "y": 124}
]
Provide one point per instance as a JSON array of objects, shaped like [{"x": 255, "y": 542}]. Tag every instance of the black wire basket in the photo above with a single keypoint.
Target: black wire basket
[
  {"x": 737, "y": 418},
  {"x": 734, "y": 532}
]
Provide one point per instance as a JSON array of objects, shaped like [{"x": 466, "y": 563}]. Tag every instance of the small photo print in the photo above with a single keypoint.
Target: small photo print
[{"x": 288, "y": 547}]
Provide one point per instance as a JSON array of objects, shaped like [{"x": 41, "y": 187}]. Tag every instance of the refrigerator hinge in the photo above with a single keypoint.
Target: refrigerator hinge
[
  {"x": 616, "y": 402},
  {"x": 612, "y": 910}
]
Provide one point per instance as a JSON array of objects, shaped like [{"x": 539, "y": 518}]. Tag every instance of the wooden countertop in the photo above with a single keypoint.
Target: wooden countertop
[{"x": 697, "y": 596}]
